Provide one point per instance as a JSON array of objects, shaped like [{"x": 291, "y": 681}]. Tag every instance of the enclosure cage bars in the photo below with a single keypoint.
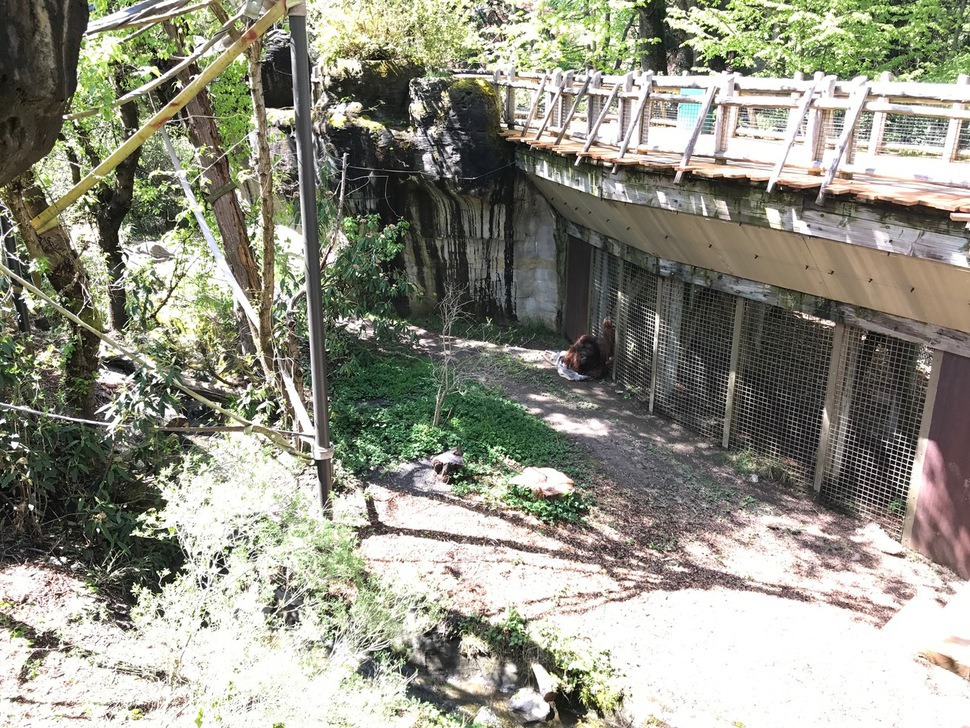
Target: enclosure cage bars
[{"x": 322, "y": 451}]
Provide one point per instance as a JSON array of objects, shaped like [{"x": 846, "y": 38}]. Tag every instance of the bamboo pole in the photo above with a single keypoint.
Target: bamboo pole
[{"x": 47, "y": 219}]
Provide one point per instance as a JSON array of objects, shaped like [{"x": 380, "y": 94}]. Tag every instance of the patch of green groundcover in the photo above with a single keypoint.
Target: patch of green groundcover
[{"x": 381, "y": 413}]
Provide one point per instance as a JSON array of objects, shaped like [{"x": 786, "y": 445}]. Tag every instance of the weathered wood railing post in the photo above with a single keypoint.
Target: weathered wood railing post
[
  {"x": 559, "y": 110},
  {"x": 817, "y": 126},
  {"x": 509, "y": 98},
  {"x": 726, "y": 122},
  {"x": 624, "y": 107},
  {"x": 595, "y": 104},
  {"x": 951, "y": 147},
  {"x": 879, "y": 121}
]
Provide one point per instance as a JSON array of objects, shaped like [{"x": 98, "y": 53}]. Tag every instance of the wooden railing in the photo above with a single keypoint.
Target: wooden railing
[{"x": 905, "y": 133}]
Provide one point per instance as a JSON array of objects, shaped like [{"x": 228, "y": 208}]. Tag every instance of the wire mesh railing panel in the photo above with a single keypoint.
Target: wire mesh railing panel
[
  {"x": 694, "y": 355},
  {"x": 879, "y": 401},
  {"x": 604, "y": 289},
  {"x": 770, "y": 122},
  {"x": 636, "y": 318},
  {"x": 779, "y": 392}
]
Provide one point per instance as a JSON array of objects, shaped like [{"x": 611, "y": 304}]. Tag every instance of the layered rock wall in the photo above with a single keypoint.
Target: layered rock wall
[{"x": 429, "y": 151}]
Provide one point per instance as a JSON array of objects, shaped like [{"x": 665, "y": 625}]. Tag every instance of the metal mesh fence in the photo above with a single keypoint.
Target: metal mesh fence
[
  {"x": 879, "y": 401},
  {"x": 636, "y": 327},
  {"x": 694, "y": 355},
  {"x": 779, "y": 392},
  {"x": 674, "y": 343},
  {"x": 604, "y": 289}
]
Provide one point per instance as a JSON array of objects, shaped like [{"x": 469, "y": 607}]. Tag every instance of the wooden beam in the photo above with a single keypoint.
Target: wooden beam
[
  {"x": 794, "y": 123},
  {"x": 572, "y": 110},
  {"x": 637, "y": 118},
  {"x": 698, "y": 127},
  {"x": 848, "y": 134},
  {"x": 535, "y": 103}
]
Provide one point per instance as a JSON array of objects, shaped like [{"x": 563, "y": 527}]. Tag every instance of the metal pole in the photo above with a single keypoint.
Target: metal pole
[{"x": 322, "y": 452}]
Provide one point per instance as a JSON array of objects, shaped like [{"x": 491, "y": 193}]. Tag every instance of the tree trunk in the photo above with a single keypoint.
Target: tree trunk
[
  {"x": 682, "y": 60},
  {"x": 652, "y": 15},
  {"x": 66, "y": 274},
  {"x": 264, "y": 169}
]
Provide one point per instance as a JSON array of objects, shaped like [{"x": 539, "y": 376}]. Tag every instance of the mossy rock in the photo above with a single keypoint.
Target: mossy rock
[{"x": 380, "y": 86}]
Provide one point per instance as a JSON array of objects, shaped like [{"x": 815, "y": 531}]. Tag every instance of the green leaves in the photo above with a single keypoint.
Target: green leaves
[{"x": 842, "y": 37}]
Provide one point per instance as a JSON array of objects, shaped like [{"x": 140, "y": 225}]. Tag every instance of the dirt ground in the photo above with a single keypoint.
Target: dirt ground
[{"x": 724, "y": 602}]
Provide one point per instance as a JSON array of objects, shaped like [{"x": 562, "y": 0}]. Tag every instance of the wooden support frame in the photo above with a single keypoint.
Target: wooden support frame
[
  {"x": 553, "y": 102},
  {"x": 794, "y": 123},
  {"x": 878, "y": 132},
  {"x": 817, "y": 123},
  {"x": 572, "y": 110},
  {"x": 535, "y": 103},
  {"x": 696, "y": 133},
  {"x": 859, "y": 98},
  {"x": 604, "y": 112},
  {"x": 637, "y": 118},
  {"x": 951, "y": 146}
]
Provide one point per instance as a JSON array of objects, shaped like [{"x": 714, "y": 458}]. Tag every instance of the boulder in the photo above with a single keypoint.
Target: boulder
[
  {"x": 544, "y": 482},
  {"x": 40, "y": 41},
  {"x": 529, "y": 706}
]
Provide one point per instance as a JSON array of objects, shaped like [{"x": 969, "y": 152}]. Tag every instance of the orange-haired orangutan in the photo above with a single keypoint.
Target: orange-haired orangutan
[{"x": 592, "y": 356}]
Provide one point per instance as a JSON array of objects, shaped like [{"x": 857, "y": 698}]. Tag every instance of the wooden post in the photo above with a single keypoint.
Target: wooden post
[
  {"x": 654, "y": 358},
  {"x": 733, "y": 375},
  {"x": 695, "y": 135},
  {"x": 817, "y": 123},
  {"x": 726, "y": 123},
  {"x": 552, "y": 102},
  {"x": 916, "y": 475},
  {"x": 832, "y": 387},
  {"x": 595, "y": 103},
  {"x": 846, "y": 141},
  {"x": 510, "y": 99},
  {"x": 951, "y": 147},
  {"x": 647, "y": 82},
  {"x": 879, "y": 121},
  {"x": 572, "y": 110},
  {"x": 622, "y": 316},
  {"x": 623, "y": 112}
]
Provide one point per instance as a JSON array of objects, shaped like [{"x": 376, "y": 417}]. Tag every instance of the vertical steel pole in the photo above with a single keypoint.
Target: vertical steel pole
[{"x": 322, "y": 452}]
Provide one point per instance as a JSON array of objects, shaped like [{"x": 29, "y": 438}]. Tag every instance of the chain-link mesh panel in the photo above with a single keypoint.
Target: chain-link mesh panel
[
  {"x": 635, "y": 328},
  {"x": 604, "y": 289},
  {"x": 879, "y": 404},
  {"x": 780, "y": 387},
  {"x": 694, "y": 355}
]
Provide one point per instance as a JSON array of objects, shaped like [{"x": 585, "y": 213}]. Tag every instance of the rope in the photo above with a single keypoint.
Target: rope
[{"x": 166, "y": 428}]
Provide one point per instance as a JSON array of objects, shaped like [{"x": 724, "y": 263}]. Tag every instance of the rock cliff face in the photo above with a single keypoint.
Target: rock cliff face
[
  {"x": 39, "y": 45},
  {"x": 428, "y": 150}
]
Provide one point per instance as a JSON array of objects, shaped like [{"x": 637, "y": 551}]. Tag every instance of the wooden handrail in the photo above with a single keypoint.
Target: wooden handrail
[{"x": 756, "y": 127}]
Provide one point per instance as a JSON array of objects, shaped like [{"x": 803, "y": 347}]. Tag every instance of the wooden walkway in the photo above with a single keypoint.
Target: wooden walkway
[{"x": 896, "y": 143}]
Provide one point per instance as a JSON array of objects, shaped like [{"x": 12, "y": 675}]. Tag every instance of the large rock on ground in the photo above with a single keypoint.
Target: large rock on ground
[{"x": 39, "y": 45}]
